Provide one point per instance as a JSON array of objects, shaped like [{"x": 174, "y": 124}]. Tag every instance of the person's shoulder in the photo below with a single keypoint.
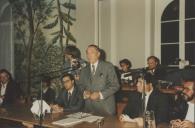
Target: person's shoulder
[
  {"x": 160, "y": 95},
  {"x": 107, "y": 63},
  {"x": 77, "y": 90},
  {"x": 51, "y": 89}
]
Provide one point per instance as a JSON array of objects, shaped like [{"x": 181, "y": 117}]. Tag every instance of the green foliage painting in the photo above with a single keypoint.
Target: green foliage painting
[{"x": 42, "y": 28}]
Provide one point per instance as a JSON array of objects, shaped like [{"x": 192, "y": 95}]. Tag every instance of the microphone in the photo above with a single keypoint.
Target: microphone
[
  {"x": 77, "y": 63},
  {"x": 164, "y": 83}
]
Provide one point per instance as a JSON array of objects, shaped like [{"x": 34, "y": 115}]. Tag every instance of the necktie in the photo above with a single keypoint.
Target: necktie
[
  {"x": 93, "y": 69},
  {"x": 69, "y": 97}
]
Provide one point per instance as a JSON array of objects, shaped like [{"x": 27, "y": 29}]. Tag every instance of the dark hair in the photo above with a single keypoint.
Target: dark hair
[
  {"x": 72, "y": 50},
  {"x": 94, "y": 46},
  {"x": 126, "y": 61},
  {"x": 154, "y": 58},
  {"x": 47, "y": 80},
  {"x": 68, "y": 75},
  {"x": 102, "y": 54},
  {"x": 149, "y": 78},
  {"x": 7, "y": 72}
]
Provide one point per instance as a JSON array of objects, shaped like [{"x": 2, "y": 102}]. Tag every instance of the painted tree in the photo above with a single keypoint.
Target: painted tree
[
  {"x": 28, "y": 17},
  {"x": 64, "y": 20}
]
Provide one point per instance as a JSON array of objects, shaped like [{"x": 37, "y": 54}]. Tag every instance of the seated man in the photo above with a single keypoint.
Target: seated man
[
  {"x": 154, "y": 101},
  {"x": 188, "y": 95},
  {"x": 155, "y": 68},
  {"x": 70, "y": 97},
  {"x": 48, "y": 92},
  {"x": 8, "y": 90}
]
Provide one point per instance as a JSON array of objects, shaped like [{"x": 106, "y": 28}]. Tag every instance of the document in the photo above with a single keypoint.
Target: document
[{"x": 76, "y": 118}]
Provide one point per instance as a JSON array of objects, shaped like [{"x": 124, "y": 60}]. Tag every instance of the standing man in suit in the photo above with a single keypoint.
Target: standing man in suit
[
  {"x": 154, "y": 101},
  {"x": 99, "y": 82},
  {"x": 70, "y": 97}
]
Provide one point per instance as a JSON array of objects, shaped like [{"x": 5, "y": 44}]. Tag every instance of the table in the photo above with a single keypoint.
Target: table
[{"x": 22, "y": 114}]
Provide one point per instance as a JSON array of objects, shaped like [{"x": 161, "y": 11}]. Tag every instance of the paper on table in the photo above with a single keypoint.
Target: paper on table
[
  {"x": 67, "y": 122},
  {"x": 91, "y": 119},
  {"x": 79, "y": 115},
  {"x": 127, "y": 118},
  {"x": 36, "y": 108},
  {"x": 76, "y": 118}
]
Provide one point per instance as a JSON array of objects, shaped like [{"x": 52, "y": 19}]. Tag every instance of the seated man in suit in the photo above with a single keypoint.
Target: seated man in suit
[
  {"x": 70, "y": 97},
  {"x": 8, "y": 90},
  {"x": 99, "y": 83},
  {"x": 48, "y": 92},
  {"x": 188, "y": 95},
  {"x": 155, "y": 68},
  {"x": 154, "y": 101}
]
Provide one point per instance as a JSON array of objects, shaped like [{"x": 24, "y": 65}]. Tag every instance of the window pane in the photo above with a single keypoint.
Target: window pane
[
  {"x": 171, "y": 12},
  {"x": 190, "y": 8},
  {"x": 190, "y": 53},
  {"x": 190, "y": 30},
  {"x": 170, "y": 32},
  {"x": 169, "y": 53}
]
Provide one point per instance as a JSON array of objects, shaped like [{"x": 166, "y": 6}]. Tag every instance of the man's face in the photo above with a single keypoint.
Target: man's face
[
  {"x": 140, "y": 85},
  {"x": 68, "y": 57},
  {"x": 67, "y": 83},
  {"x": 124, "y": 67},
  {"x": 188, "y": 91},
  {"x": 152, "y": 63},
  {"x": 4, "y": 77},
  {"x": 92, "y": 55}
]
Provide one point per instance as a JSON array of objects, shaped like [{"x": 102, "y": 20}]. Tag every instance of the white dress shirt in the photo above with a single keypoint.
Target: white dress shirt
[
  {"x": 71, "y": 90},
  {"x": 147, "y": 97},
  {"x": 190, "y": 112},
  {"x": 3, "y": 89},
  {"x": 95, "y": 65},
  {"x": 2, "y": 93}
]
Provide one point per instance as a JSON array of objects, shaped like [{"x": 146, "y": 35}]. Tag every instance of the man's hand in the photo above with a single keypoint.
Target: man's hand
[
  {"x": 186, "y": 124},
  {"x": 56, "y": 108},
  {"x": 175, "y": 123},
  {"x": 86, "y": 94},
  {"x": 95, "y": 96}
]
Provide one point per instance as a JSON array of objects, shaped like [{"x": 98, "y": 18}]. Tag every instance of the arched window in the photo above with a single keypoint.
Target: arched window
[{"x": 178, "y": 32}]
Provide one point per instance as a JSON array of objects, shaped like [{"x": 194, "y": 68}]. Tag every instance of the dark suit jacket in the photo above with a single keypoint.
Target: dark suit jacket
[
  {"x": 48, "y": 96},
  {"x": 159, "y": 73},
  {"x": 76, "y": 102},
  {"x": 178, "y": 109},
  {"x": 105, "y": 80},
  {"x": 157, "y": 102},
  {"x": 11, "y": 93}
]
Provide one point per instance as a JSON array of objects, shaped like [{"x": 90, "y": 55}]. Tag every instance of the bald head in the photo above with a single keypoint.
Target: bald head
[{"x": 93, "y": 54}]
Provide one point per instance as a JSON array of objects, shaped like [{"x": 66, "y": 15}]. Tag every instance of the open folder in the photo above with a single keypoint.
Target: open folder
[{"x": 76, "y": 118}]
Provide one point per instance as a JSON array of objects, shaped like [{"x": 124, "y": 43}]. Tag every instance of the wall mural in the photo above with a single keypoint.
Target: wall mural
[{"x": 42, "y": 28}]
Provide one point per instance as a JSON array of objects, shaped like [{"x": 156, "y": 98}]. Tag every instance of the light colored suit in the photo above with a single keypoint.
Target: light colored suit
[{"x": 105, "y": 80}]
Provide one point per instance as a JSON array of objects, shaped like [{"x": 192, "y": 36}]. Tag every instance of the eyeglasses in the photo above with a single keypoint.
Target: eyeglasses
[{"x": 64, "y": 82}]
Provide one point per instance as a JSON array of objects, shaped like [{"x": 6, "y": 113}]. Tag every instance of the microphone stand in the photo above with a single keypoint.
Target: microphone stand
[
  {"x": 143, "y": 100},
  {"x": 41, "y": 107}
]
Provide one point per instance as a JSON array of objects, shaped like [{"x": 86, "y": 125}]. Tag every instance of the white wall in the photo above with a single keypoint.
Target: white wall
[
  {"x": 131, "y": 31},
  {"x": 122, "y": 29},
  {"x": 85, "y": 24}
]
